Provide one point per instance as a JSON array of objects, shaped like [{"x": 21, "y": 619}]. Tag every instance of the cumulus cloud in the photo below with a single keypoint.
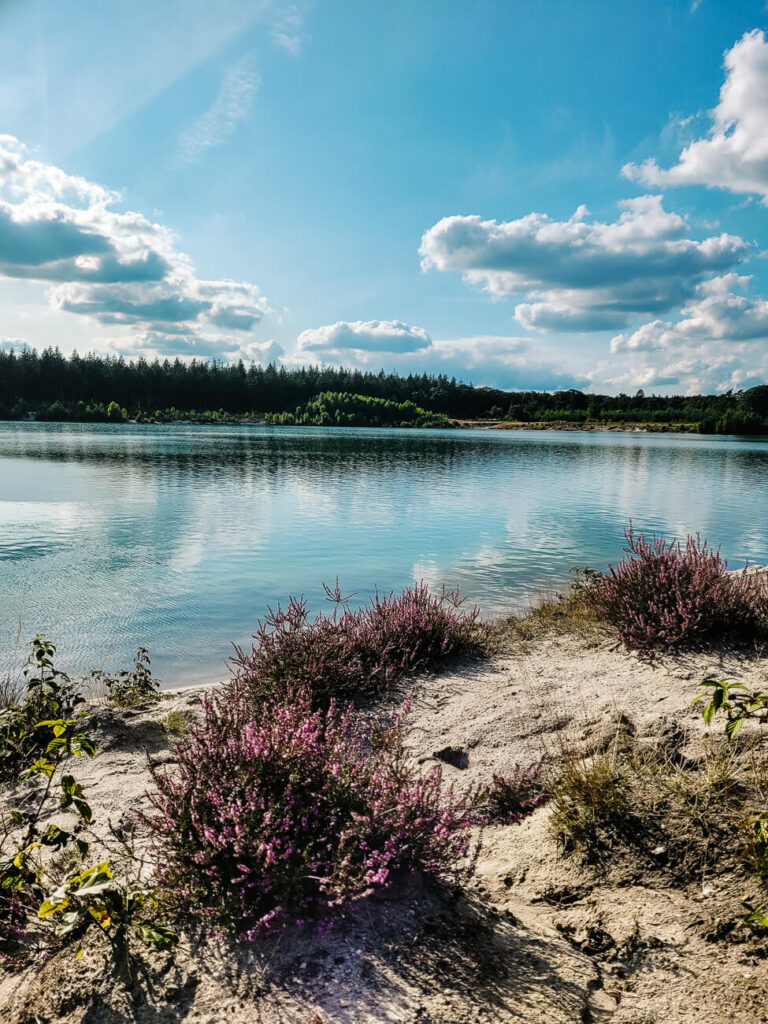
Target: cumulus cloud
[
  {"x": 507, "y": 362},
  {"x": 691, "y": 373},
  {"x": 718, "y": 314},
  {"x": 579, "y": 274},
  {"x": 199, "y": 345},
  {"x": 719, "y": 342},
  {"x": 734, "y": 153},
  {"x": 232, "y": 104},
  {"x": 113, "y": 267},
  {"x": 362, "y": 336}
]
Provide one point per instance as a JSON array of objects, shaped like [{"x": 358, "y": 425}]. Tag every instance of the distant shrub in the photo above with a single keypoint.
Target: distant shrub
[
  {"x": 291, "y": 816},
  {"x": 667, "y": 595},
  {"x": 132, "y": 687},
  {"x": 343, "y": 409},
  {"x": 357, "y": 654},
  {"x": 507, "y": 799}
]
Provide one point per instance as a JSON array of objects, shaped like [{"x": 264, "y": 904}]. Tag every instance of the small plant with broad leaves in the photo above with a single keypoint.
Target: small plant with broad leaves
[
  {"x": 23, "y": 846},
  {"x": 94, "y": 899},
  {"x": 36, "y": 738},
  {"x": 133, "y": 687},
  {"x": 47, "y": 719},
  {"x": 735, "y": 700}
]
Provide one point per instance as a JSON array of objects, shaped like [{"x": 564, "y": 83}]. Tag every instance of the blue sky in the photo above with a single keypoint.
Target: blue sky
[{"x": 569, "y": 193}]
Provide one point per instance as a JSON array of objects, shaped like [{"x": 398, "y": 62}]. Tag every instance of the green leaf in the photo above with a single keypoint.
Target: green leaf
[
  {"x": 733, "y": 727},
  {"x": 52, "y": 905},
  {"x": 158, "y": 935},
  {"x": 39, "y": 767},
  {"x": 55, "y": 836},
  {"x": 69, "y": 922},
  {"x": 83, "y": 809},
  {"x": 93, "y": 881}
]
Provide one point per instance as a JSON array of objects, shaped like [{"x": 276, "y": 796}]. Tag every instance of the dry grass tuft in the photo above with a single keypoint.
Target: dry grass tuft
[
  {"x": 558, "y": 613},
  {"x": 650, "y": 806},
  {"x": 177, "y": 723}
]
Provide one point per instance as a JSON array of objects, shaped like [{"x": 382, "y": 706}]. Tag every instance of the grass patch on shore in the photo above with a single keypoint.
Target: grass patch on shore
[{"x": 655, "y": 808}]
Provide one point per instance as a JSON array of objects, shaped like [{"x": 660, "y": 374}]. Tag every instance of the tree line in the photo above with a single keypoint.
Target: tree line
[{"x": 50, "y": 385}]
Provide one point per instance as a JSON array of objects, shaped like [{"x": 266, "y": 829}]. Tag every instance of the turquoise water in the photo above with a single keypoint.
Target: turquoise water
[{"x": 178, "y": 537}]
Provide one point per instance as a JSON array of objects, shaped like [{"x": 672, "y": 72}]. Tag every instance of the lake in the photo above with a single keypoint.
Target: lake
[{"x": 178, "y": 537}]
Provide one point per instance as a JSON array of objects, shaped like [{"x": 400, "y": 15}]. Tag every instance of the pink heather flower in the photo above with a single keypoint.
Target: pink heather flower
[{"x": 304, "y": 841}]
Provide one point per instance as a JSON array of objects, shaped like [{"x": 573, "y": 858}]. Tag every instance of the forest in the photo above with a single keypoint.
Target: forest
[{"x": 48, "y": 385}]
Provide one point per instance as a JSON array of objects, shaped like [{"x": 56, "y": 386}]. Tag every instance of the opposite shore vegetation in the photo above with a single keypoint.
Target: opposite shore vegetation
[
  {"x": 291, "y": 796},
  {"x": 90, "y": 388}
]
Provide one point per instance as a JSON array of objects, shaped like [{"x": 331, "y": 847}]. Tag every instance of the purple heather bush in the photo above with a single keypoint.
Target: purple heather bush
[
  {"x": 17, "y": 941},
  {"x": 668, "y": 595},
  {"x": 296, "y": 813},
  {"x": 357, "y": 654}
]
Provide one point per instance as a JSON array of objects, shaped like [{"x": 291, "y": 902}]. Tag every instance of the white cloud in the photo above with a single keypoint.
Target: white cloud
[
  {"x": 504, "y": 362},
  {"x": 288, "y": 27},
  {"x": 734, "y": 154},
  {"x": 501, "y": 361},
  {"x": 232, "y": 104},
  {"x": 362, "y": 336},
  {"x": 578, "y": 274},
  {"x": 719, "y": 342},
  {"x": 197, "y": 344},
  {"x": 717, "y": 314},
  {"x": 113, "y": 267}
]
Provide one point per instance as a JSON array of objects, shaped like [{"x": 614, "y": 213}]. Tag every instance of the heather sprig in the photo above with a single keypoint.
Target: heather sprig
[
  {"x": 353, "y": 654},
  {"x": 666, "y": 595},
  {"x": 291, "y": 816}
]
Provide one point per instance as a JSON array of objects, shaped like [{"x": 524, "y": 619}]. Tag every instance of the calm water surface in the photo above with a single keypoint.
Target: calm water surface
[{"x": 178, "y": 537}]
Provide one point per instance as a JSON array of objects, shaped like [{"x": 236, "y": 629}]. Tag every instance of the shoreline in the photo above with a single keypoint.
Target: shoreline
[{"x": 634, "y": 427}]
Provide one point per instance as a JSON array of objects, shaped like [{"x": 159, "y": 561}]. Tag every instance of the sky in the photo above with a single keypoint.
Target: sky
[{"x": 571, "y": 193}]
